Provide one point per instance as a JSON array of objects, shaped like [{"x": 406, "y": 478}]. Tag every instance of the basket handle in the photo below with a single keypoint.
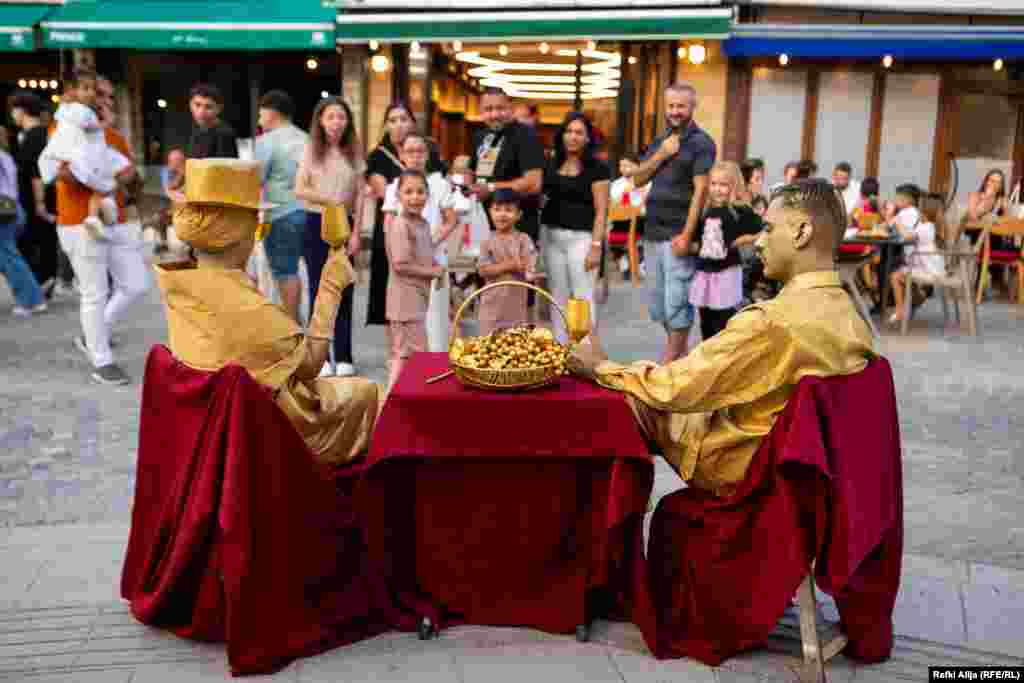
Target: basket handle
[{"x": 505, "y": 283}]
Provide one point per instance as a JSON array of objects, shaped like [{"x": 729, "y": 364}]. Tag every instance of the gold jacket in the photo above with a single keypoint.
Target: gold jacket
[{"x": 710, "y": 410}]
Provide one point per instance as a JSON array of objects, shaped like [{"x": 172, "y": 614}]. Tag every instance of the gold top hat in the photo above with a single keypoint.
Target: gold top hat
[{"x": 224, "y": 182}]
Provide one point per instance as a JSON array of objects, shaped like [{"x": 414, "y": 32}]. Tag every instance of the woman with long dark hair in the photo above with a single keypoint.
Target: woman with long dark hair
[
  {"x": 574, "y": 217},
  {"x": 986, "y": 206},
  {"x": 382, "y": 167},
  {"x": 331, "y": 174}
]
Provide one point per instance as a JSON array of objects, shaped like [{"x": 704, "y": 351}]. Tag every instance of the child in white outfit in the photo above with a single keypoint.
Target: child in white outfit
[{"x": 79, "y": 140}]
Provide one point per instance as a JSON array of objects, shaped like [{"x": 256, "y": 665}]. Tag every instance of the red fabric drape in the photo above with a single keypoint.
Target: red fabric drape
[
  {"x": 826, "y": 484},
  {"x": 504, "y": 509},
  {"x": 236, "y": 534}
]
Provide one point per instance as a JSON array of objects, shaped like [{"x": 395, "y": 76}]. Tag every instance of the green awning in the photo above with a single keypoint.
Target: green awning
[
  {"x": 610, "y": 24},
  {"x": 16, "y": 25},
  {"x": 192, "y": 25}
]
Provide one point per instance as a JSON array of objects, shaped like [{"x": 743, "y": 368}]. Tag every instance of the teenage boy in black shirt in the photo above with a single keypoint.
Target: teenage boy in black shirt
[{"x": 210, "y": 137}]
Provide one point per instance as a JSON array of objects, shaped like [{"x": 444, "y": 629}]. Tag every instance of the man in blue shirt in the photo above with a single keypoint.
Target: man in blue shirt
[
  {"x": 280, "y": 150},
  {"x": 677, "y": 165}
]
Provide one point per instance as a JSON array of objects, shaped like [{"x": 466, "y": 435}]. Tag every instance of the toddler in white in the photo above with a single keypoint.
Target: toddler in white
[{"x": 79, "y": 140}]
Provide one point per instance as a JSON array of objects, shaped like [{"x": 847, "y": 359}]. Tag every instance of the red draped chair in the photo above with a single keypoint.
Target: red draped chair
[
  {"x": 237, "y": 534},
  {"x": 823, "y": 496}
]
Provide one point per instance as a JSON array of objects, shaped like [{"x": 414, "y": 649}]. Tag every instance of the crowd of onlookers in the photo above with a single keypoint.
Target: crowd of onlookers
[{"x": 524, "y": 213}]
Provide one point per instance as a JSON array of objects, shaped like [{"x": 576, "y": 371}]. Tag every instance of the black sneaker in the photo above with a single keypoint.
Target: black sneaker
[{"x": 110, "y": 374}]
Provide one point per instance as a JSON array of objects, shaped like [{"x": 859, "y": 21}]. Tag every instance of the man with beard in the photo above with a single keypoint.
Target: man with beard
[
  {"x": 677, "y": 164},
  {"x": 707, "y": 413},
  {"x": 508, "y": 156},
  {"x": 846, "y": 186}
]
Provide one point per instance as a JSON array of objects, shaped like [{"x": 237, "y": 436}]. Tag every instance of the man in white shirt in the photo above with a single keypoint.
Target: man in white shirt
[{"x": 846, "y": 185}]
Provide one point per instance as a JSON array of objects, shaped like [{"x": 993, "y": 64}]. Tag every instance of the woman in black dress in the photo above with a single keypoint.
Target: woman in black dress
[{"x": 383, "y": 166}]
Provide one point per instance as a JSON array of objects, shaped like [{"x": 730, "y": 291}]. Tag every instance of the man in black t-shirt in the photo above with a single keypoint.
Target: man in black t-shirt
[
  {"x": 39, "y": 243},
  {"x": 210, "y": 137},
  {"x": 508, "y": 155}
]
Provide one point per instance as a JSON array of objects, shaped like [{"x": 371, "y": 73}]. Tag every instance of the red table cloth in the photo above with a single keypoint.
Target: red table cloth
[
  {"x": 237, "y": 535},
  {"x": 504, "y": 508},
  {"x": 826, "y": 484}
]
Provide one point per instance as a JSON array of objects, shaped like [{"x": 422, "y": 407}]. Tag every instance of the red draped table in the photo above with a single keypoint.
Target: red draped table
[{"x": 504, "y": 508}]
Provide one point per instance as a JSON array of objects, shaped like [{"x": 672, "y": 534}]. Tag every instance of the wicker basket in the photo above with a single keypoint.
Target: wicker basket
[{"x": 504, "y": 379}]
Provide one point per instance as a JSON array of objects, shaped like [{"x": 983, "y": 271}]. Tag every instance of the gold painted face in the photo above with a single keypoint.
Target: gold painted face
[{"x": 777, "y": 244}]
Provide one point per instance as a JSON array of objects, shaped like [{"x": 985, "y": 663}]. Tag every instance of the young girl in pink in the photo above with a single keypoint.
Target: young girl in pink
[
  {"x": 727, "y": 224},
  {"x": 412, "y": 270}
]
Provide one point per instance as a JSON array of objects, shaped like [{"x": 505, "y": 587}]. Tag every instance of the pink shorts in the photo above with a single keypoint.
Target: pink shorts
[{"x": 407, "y": 337}]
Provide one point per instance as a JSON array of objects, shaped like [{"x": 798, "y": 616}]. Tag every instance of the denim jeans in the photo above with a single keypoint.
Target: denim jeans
[{"x": 13, "y": 266}]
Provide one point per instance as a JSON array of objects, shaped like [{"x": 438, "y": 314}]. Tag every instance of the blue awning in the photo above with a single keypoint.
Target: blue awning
[{"x": 947, "y": 43}]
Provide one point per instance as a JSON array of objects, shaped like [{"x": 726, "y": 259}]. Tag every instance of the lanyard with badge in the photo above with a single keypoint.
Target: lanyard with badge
[{"x": 487, "y": 155}]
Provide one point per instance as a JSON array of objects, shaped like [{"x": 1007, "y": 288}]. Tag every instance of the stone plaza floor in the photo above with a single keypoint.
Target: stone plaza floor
[{"x": 67, "y": 461}]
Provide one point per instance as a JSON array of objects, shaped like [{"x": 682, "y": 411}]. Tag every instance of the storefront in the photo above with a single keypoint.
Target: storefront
[
  {"x": 23, "y": 66},
  {"x": 611, "y": 63},
  {"x": 933, "y": 100},
  {"x": 159, "y": 48}
]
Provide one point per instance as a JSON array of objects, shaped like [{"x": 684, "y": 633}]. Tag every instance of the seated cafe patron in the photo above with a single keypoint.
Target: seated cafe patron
[
  {"x": 216, "y": 315},
  {"x": 708, "y": 412}
]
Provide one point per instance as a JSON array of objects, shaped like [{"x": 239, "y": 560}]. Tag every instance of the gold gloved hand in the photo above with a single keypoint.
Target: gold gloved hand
[{"x": 336, "y": 276}]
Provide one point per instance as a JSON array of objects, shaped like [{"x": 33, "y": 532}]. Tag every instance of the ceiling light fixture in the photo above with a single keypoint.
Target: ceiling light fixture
[
  {"x": 544, "y": 48},
  {"x": 23, "y": 83},
  {"x": 783, "y": 59},
  {"x": 380, "y": 63},
  {"x": 33, "y": 83},
  {"x": 998, "y": 65},
  {"x": 374, "y": 45},
  {"x": 681, "y": 52},
  {"x": 599, "y": 79},
  {"x": 698, "y": 53},
  {"x": 162, "y": 103},
  {"x": 312, "y": 64},
  {"x": 503, "y": 50},
  {"x": 457, "y": 46},
  {"x": 53, "y": 85},
  {"x": 887, "y": 61}
]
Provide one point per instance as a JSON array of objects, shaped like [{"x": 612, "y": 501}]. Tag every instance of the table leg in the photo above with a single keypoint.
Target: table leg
[{"x": 884, "y": 267}]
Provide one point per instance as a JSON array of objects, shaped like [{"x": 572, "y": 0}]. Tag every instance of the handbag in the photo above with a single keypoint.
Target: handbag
[
  {"x": 8, "y": 209},
  {"x": 8, "y": 206}
]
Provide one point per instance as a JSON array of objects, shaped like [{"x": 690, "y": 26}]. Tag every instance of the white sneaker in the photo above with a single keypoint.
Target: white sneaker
[
  {"x": 94, "y": 226},
  {"x": 22, "y": 312},
  {"x": 344, "y": 370},
  {"x": 327, "y": 370}
]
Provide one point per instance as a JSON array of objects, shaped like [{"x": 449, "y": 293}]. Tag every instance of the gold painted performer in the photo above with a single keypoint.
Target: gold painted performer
[
  {"x": 216, "y": 316},
  {"x": 709, "y": 411}
]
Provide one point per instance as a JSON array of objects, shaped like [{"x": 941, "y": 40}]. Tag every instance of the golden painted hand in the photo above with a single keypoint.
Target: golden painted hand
[{"x": 587, "y": 355}]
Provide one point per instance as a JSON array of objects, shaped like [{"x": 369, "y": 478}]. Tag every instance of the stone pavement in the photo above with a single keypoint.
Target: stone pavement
[{"x": 67, "y": 471}]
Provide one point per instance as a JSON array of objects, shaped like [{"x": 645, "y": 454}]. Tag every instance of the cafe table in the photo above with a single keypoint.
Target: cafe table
[
  {"x": 501, "y": 508},
  {"x": 888, "y": 253}
]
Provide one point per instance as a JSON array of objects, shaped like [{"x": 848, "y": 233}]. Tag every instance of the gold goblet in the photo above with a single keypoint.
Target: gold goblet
[
  {"x": 577, "y": 314},
  {"x": 335, "y": 229}
]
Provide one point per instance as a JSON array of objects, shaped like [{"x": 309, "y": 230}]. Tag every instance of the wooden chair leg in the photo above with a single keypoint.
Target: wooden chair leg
[
  {"x": 971, "y": 307},
  {"x": 813, "y": 670},
  {"x": 908, "y": 303},
  {"x": 850, "y": 279}
]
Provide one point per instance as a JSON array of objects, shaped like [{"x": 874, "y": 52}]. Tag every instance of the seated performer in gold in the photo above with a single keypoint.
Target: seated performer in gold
[
  {"x": 216, "y": 316},
  {"x": 709, "y": 411}
]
